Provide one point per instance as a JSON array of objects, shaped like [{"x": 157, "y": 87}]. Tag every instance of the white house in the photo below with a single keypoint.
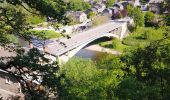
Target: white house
[
  {"x": 100, "y": 7},
  {"x": 78, "y": 15}
]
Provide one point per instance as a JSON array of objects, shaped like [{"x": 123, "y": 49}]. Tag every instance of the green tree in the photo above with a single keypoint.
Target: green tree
[
  {"x": 149, "y": 17},
  {"x": 86, "y": 80},
  {"x": 91, "y": 14},
  {"x": 52, "y": 8},
  {"x": 149, "y": 68},
  {"x": 110, "y": 3},
  {"x": 137, "y": 15},
  {"x": 13, "y": 21},
  {"x": 78, "y": 5}
]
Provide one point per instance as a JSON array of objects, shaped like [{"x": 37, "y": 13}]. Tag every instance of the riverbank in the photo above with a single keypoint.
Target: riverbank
[{"x": 98, "y": 48}]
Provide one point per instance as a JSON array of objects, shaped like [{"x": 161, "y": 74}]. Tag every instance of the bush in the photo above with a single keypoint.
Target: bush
[
  {"x": 35, "y": 19},
  {"x": 91, "y": 14},
  {"x": 149, "y": 17}
]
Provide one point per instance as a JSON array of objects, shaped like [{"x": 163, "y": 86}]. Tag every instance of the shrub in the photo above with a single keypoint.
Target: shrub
[
  {"x": 91, "y": 14},
  {"x": 149, "y": 17},
  {"x": 35, "y": 19}
]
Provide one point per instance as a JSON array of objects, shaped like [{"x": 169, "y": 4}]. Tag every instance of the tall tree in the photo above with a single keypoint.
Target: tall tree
[{"x": 29, "y": 63}]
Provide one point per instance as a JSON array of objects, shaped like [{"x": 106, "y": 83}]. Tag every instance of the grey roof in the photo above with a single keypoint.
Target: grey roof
[
  {"x": 156, "y": 1},
  {"x": 118, "y": 5}
]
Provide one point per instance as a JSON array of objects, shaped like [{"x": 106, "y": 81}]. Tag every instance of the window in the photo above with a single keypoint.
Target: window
[{"x": 7, "y": 81}]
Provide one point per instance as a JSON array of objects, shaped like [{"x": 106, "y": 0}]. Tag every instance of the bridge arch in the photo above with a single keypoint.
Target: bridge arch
[{"x": 66, "y": 56}]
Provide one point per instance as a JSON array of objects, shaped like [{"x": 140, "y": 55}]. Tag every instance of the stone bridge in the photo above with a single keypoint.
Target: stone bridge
[{"x": 64, "y": 48}]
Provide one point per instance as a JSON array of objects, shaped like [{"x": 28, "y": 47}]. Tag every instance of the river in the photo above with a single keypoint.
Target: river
[{"x": 94, "y": 55}]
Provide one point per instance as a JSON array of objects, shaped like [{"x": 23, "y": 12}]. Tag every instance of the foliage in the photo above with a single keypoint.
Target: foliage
[
  {"x": 143, "y": 36},
  {"x": 167, "y": 20},
  {"x": 149, "y": 17},
  {"x": 33, "y": 73},
  {"x": 85, "y": 80},
  {"x": 35, "y": 19},
  {"x": 150, "y": 70},
  {"x": 114, "y": 44},
  {"x": 91, "y": 14},
  {"x": 137, "y": 15},
  {"x": 14, "y": 21},
  {"x": 78, "y": 5},
  {"x": 109, "y": 3},
  {"x": 52, "y": 8}
]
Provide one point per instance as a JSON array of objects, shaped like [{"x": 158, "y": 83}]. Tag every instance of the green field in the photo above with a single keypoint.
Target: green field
[
  {"x": 49, "y": 34},
  {"x": 139, "y": 38}
]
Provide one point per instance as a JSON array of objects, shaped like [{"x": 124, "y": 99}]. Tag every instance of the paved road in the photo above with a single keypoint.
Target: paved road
[{"x": 55, "y": 46}]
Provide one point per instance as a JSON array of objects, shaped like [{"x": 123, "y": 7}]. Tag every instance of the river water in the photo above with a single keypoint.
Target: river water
[{"x": 94, "y": 55}]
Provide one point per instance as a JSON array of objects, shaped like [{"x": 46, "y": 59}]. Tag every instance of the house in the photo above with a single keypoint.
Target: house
[
  {"x": 136, "y": 3},
  {"x": 107, "y": 12},
  {"x": 94, "y": 10},
  {"x": 155, "y": 5},
  {"x": 9, "y": 87},
  {"x": 119, "y": 6},
  {"x": 144, "y": 7},
  {"x": 79, "y": 16},
  {"x": 100, "y": 7},
  {"x": 114, "y": 10},
  {"x": 120, "y": 14}
]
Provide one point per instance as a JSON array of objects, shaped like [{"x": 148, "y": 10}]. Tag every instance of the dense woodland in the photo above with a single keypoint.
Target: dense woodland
[{"x": 140, "y": 73}]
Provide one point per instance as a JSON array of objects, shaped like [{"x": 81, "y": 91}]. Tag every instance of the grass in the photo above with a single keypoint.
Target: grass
[
  {"x": 48, "y": 34},
  {"x": 142, "y": 37},
  {"x": 114, "y": 44}
]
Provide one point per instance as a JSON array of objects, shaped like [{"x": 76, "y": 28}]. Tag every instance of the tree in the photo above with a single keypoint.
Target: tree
[
  {"x": 13, "y": 21},
  {"x": 148, "y": 67},
  {"x": 35, "y": 72},
  {"x": 110, "y": 3},
  {"x": 137, "y": 15},
  {"x": 91, "y": 14},
  {"x": 149, "y": 17},
  {"x": 52, "y": 8},
  {"x": 78, "y": 5},
  {"x": 86, "y": 80}
]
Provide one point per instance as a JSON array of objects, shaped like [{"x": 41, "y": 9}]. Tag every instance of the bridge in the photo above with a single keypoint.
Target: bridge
[{"x": 64, "y": 48}]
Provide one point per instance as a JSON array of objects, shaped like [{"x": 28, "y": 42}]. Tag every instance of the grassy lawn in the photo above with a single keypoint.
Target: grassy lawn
[
  {"x": 115, "y": 44},
  {"x": 140, "y": 38},
  {"x": 49, "y": 34}
]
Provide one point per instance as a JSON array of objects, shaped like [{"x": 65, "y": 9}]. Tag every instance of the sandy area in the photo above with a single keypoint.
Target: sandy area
[{"x": 98, "y": 48}]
